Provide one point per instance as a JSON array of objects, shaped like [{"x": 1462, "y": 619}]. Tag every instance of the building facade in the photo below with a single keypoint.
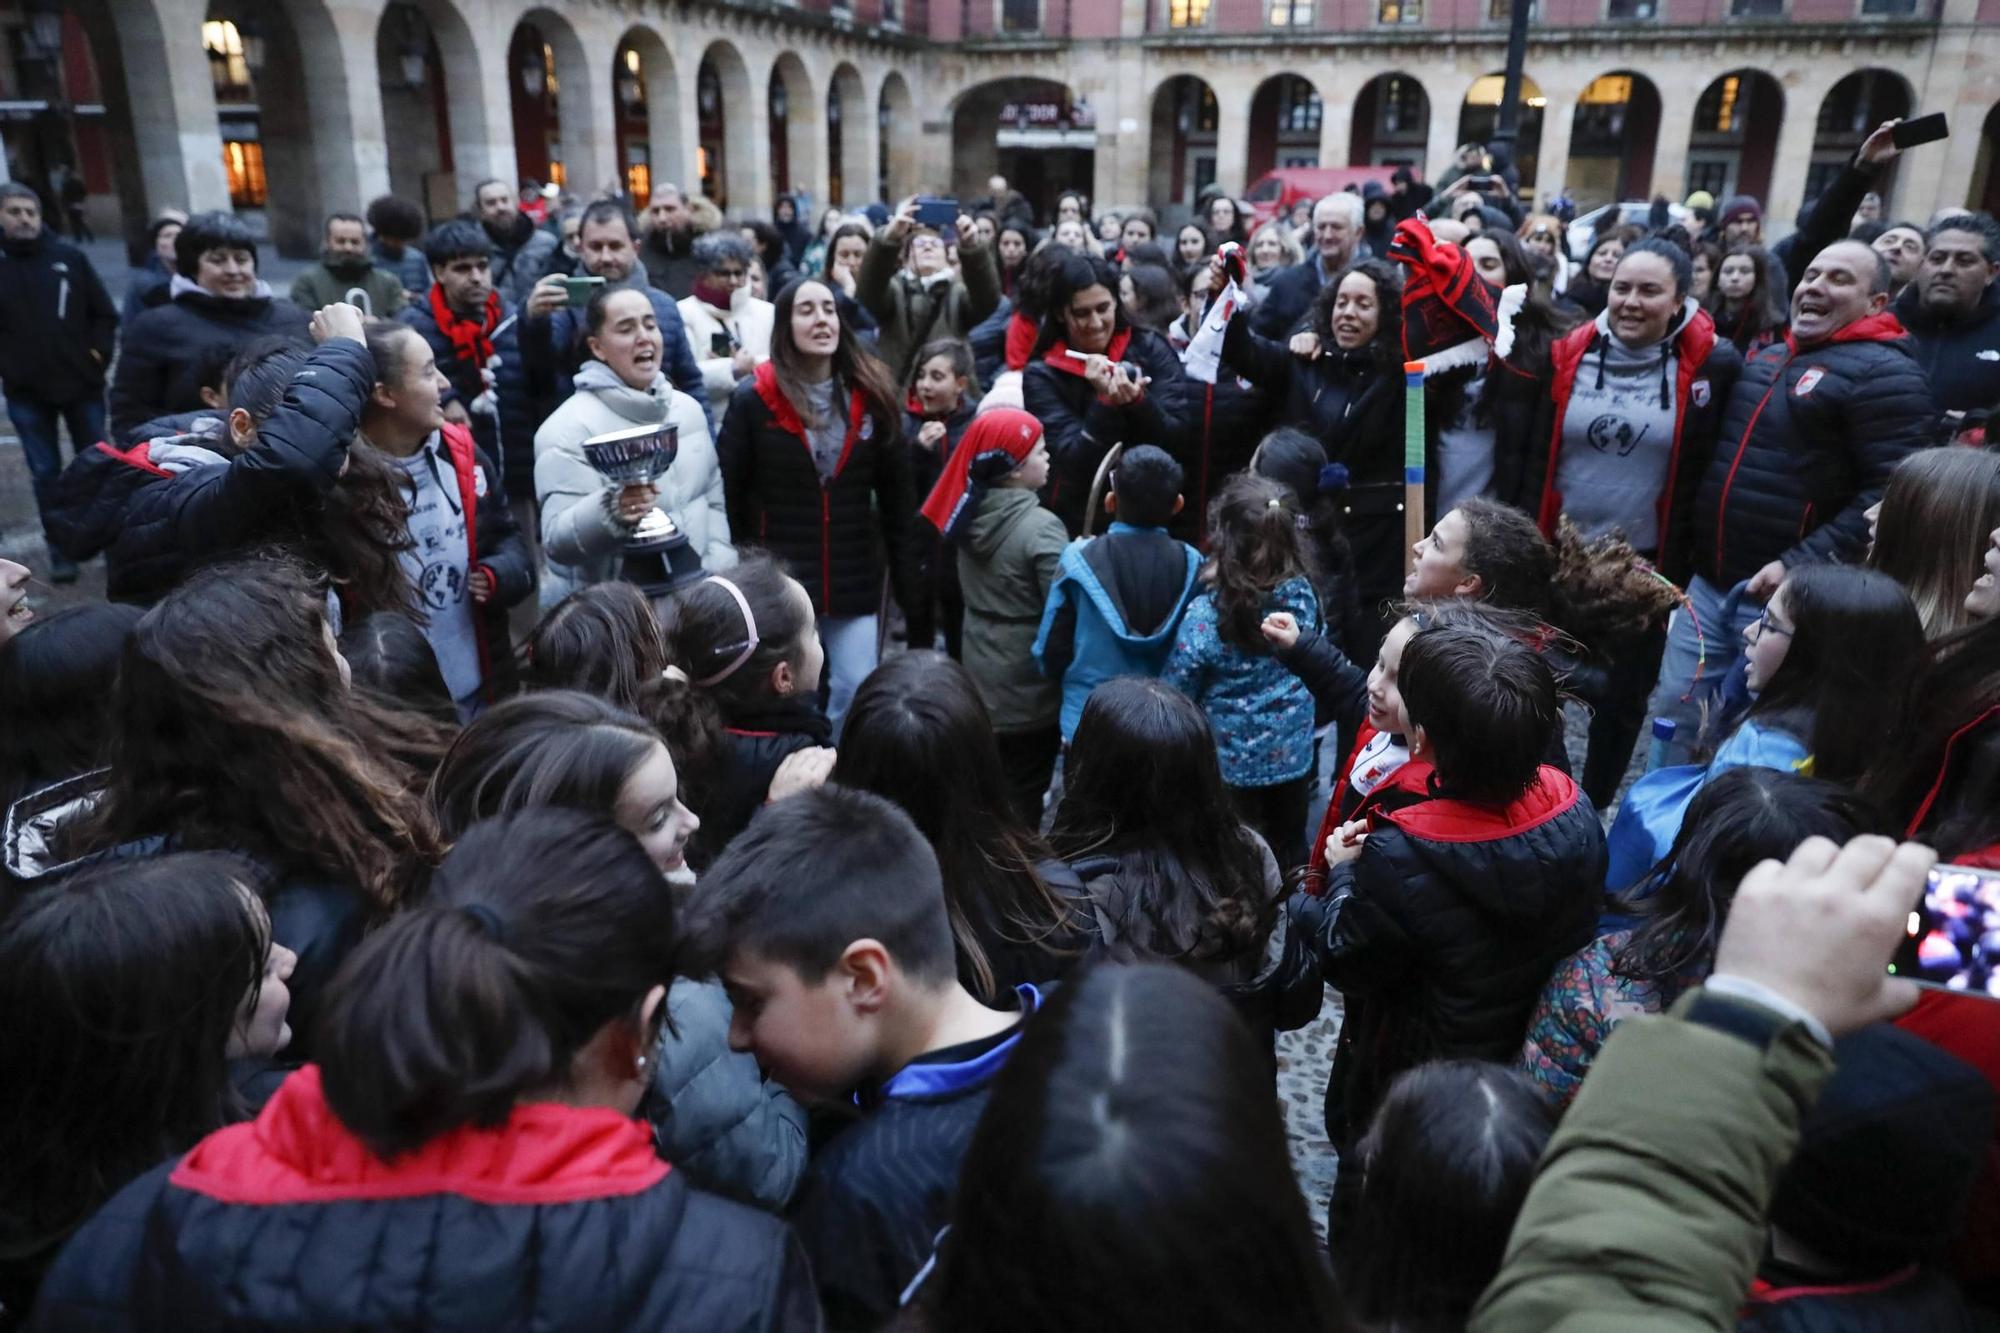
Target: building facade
[{"x": 301, "y": 107}]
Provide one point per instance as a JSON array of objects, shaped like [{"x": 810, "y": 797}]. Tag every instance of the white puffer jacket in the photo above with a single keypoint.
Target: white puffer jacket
[{"x": 581, "y": 539}]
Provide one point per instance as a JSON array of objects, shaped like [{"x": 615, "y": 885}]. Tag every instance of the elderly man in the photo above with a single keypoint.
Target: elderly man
[{"x": 1336, "y": 225}]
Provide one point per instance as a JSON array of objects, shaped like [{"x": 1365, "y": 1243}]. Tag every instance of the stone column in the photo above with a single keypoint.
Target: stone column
[
  {"x": 1794, "y": 155},
  {"x": 1233, "y": 91},
  {"x": 1678, "y": 93},
  {"x": 1552, "y": 158},
  {"x": 166, "y": 89},
  {"x": 1446, "y": 88},
  {"x": 583, "y": 68},
  {"x": 478, "y": 100}
]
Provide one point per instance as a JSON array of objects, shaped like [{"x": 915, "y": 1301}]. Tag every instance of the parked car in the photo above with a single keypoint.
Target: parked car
[
  {"x": 1634, "y": 211},
  {"x": 1272, "y": 194}
]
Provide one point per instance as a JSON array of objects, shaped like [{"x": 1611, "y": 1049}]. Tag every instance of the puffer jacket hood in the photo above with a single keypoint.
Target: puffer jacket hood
[{"x": 34, "y": 833}]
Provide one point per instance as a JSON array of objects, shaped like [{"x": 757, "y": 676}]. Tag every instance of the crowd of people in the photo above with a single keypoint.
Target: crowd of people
[{"x": 420, "y": 913}]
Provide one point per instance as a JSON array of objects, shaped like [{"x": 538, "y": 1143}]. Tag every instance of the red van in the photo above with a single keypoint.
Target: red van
[{"x": 1272, "y": 194}]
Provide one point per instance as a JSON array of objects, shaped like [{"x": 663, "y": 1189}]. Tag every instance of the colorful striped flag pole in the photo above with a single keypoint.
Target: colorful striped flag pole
[{"x": 1413, "y": 461}]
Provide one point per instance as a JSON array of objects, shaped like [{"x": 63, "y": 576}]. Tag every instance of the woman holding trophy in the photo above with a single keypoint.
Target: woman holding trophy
[{"x": 587, "y": 519}]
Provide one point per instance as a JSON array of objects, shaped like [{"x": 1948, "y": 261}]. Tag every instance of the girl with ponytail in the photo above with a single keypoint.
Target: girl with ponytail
[{"x": 467, "y": 1144}]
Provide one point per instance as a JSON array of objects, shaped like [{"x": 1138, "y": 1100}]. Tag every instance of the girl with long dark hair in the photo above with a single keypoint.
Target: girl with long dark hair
[
  {"x": 128, "y": 989},
  {"x": 467, "y": 1142},
  {"x": 1676, "y": 914},
  {"x": 1261, "y": 713},
  {"x": 919, "y": 735},
  {"x": 814, "y": 468},
  {"x": 1132, "y": 1133},
  {"x": 56, "y": 676},
  {"x": 943, "y": 395},
  {"x": 1749, "y": 307},
  {"x": 1172, "y": 874},
  {"x": 1094, "y": 381},
  {"x": 233, "y": 729}
]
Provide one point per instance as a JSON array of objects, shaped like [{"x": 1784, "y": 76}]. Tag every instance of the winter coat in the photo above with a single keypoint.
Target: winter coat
[
  {"x": 1909, "y": 1298},
  {"x": 1650, "y": 816},
  {"x": 560, "y": 1217},
  {"x": 319, "y": 919},
  {"x": 160, "y": 359},
  {"x": 582, "y": 538},
  {"x": 1080, "y": 428},
  {"x": 988, "y": 339},
  {"x": 412, "y": 270},
  {"x": 669, "y": 261},
  {"x": 148, "y": 286},
  {"x": 1353, "y": 403},
  {"x": 836, "y": 536},
  {"x": 737, "y": 782},
  {"x": 1261, "y": 713},
  {"x": 1664, "y": 1240},
  {"x": 1288, "y": 299},
  {"x": 508, "y": 434},
  {"x": 746, "y": 324},
  {"x": 933, "y": 560},
  {"x": 1828, "y": 219},
  {"x": 1962, "y": 358},
  {"x": 521, "y": 259},
  {"x": 1442, "y": 933},
  {"x": 1705, "y": 373},
  {"x": 1580, "y": 1007},
  {"x": 1103, "y": 585},
  {"x": 1274, "y": 987},
  {"x": 58, "y": 326},
  {"x": 318, "y": 285},
  {"x": 554, "y": 346},
  {"x": 1006, "y": 562},
  {"x": 1807, "y": 443},
  {"x": 159, "y": 509},
  {"x": 713, "y": 1113},
  {"x": 911, "y": 312}
]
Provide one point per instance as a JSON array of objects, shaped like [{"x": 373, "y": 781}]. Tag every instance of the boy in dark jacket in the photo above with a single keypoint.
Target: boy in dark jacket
[
  {"x": 1117, "y": 599},
  {"x": 826, "y": 921},
  {"x": 1467, "y": 876}
]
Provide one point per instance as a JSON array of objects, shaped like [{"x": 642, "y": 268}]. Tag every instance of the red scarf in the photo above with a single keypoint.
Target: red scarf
[
  {"x": 471, "y": 342},
  {"x": 1060, "y": 358}
]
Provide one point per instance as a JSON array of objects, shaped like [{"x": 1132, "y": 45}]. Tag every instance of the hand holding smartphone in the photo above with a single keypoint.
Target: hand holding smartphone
[
  {"x": 1953, "y": 936},
  {"x": 1922, "y": 130},
  {"x": 937, "y": 211}
]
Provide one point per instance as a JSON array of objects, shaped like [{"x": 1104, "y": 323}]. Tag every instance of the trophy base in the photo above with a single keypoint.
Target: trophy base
[{"x": 659, "y": 565}]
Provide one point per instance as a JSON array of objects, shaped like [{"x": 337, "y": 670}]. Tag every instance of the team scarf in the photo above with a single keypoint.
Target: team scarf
[
  {"x": 471, "y": 340},
  {"x": 998, "y": 441}
]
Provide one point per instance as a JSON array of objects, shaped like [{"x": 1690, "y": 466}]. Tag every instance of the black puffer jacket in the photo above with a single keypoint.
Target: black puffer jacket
[
  {"x": 154, "y": 523},
  {"x": 560, "y": 1218},
  {"x": 1807, "y": 443},
  {"x": 737, "y": 782},
  {"x": 1961, "y": 358},
  {"x": 1442, "y": 933},
  {"x": 1080, "y": 428},
  {"x": 1352, "y": 402},
  {"x": 54, "y": 313},
  {"x": 160, "y": 360},
  {"x": 1226, "y": 421},
  {"x": 509, "y": 438},
  {"x": 833, "y": 535}
]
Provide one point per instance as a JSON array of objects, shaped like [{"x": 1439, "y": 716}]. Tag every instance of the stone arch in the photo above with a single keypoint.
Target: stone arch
[
  {"x": 1851, "y": 109},
  {"x": 728, "y": 157},
  {"x": 1031, "y": 130},
  {"x": 1614, "y": 131},
  {"x": 850, "y": 157},
  {"x": 896, "y": 132},
  {"x": 1285, "y": 116},
  {"x": 418, "y": 43},
  {"x": 796, "y": 128},
  {"x": 645, "y": 110},
  {"x": 1479, "y": 116},
  {"x": 1734, "y": 144},
  {"x": 1184, "y": 149},
  {"x": 1392, "y": 123},
  {"x": 560, "y": 121},
  {"x": 289, "y": 156},
  {"x": 1984, "y": 191}
]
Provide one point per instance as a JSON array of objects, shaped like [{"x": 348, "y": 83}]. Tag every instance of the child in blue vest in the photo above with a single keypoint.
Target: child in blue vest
[{"x": 1117, "y": 599}]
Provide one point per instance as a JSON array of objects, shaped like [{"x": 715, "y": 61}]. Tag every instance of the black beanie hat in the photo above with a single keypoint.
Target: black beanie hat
[{"x": 1886, "y": 1160}]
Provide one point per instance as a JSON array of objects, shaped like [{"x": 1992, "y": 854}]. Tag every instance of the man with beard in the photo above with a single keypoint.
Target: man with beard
[
  {"x": 346, "y": 272},
  {"x": 1952, "y": 311},
  {"x": 668, "y": 252},
  {"x": 521, "y": 250}
]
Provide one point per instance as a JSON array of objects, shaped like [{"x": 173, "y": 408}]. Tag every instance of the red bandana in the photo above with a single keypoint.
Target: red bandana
[{"x": 998, "y": 441}]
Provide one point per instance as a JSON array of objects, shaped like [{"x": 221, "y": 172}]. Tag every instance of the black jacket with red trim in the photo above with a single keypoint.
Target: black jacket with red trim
[
  {"x": 1807, "y": 443},
  {"x": 836, "y": 536},
  {"x": 1442, "y": 933},
  {"x": 1909, "y": 1299},
  {"x": 155, "y": 524},
  {"x": 1080, "y": 427},
  {"x": 1706, "y": 369},
  {"x": 734, "y": 787},
  {"x": 560, "y": 1218}
]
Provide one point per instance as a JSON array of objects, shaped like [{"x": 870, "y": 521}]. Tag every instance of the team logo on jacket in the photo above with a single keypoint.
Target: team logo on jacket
[
  {"x": 1807, "y": 382},
  {"x": 1699, "y": 392},
  {"x": 867, "y": 431},
  {"x": 478, "y": 481}
]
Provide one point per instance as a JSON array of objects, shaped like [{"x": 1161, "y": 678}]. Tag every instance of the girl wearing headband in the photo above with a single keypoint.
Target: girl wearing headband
[
  {"x": 743, "y": 685},
  {"x": 1008, "y": 547}
]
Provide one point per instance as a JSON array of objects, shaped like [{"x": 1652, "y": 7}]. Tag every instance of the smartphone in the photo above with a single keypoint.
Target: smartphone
[
  {"x": 1924, "y": 129},
  {"x": 937, "y": 211},
  {"x": 720, "y": 345},
  {"x": 581, "y": 290},
  {"x": 1953, "y": 936}
]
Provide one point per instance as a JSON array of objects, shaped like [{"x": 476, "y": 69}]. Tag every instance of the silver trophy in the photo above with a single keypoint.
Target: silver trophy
[{"x": 657, "y": 556}]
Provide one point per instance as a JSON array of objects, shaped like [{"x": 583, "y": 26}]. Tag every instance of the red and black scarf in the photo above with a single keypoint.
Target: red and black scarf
[{"x": 471, "y": 341}]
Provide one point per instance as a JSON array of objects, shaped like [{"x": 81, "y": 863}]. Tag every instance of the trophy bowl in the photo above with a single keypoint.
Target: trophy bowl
[
  {"x": 633, "y": 457},
  {"x": 658, "y": 556}
]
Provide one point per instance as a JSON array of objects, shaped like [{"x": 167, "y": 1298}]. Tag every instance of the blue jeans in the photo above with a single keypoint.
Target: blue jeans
[
  {"x": 850, "y": 655},
  {"x": 35, "y": 422},
  {"x": 1693, "y": 668}
]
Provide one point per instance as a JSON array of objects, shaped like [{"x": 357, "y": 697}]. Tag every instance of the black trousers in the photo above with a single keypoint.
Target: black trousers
[
  {"x": 1631, "y": 667},
  {"x": 1278, "y": 813},
  {"x": 1028, "y": 759}
]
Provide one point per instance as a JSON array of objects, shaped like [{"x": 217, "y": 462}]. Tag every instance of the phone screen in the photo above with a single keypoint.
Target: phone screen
[
  {"x": 941, "y": 213},
  {"x": 1953, "y": 936}
]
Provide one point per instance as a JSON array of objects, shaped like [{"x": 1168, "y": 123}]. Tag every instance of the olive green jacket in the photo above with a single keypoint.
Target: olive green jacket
[
  {"x": 1006, "y": 561},
  {"x": 317, "y": 285},
  {"x": 1647, "y": 1213},
  {"x": 911, "y": 313}
]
